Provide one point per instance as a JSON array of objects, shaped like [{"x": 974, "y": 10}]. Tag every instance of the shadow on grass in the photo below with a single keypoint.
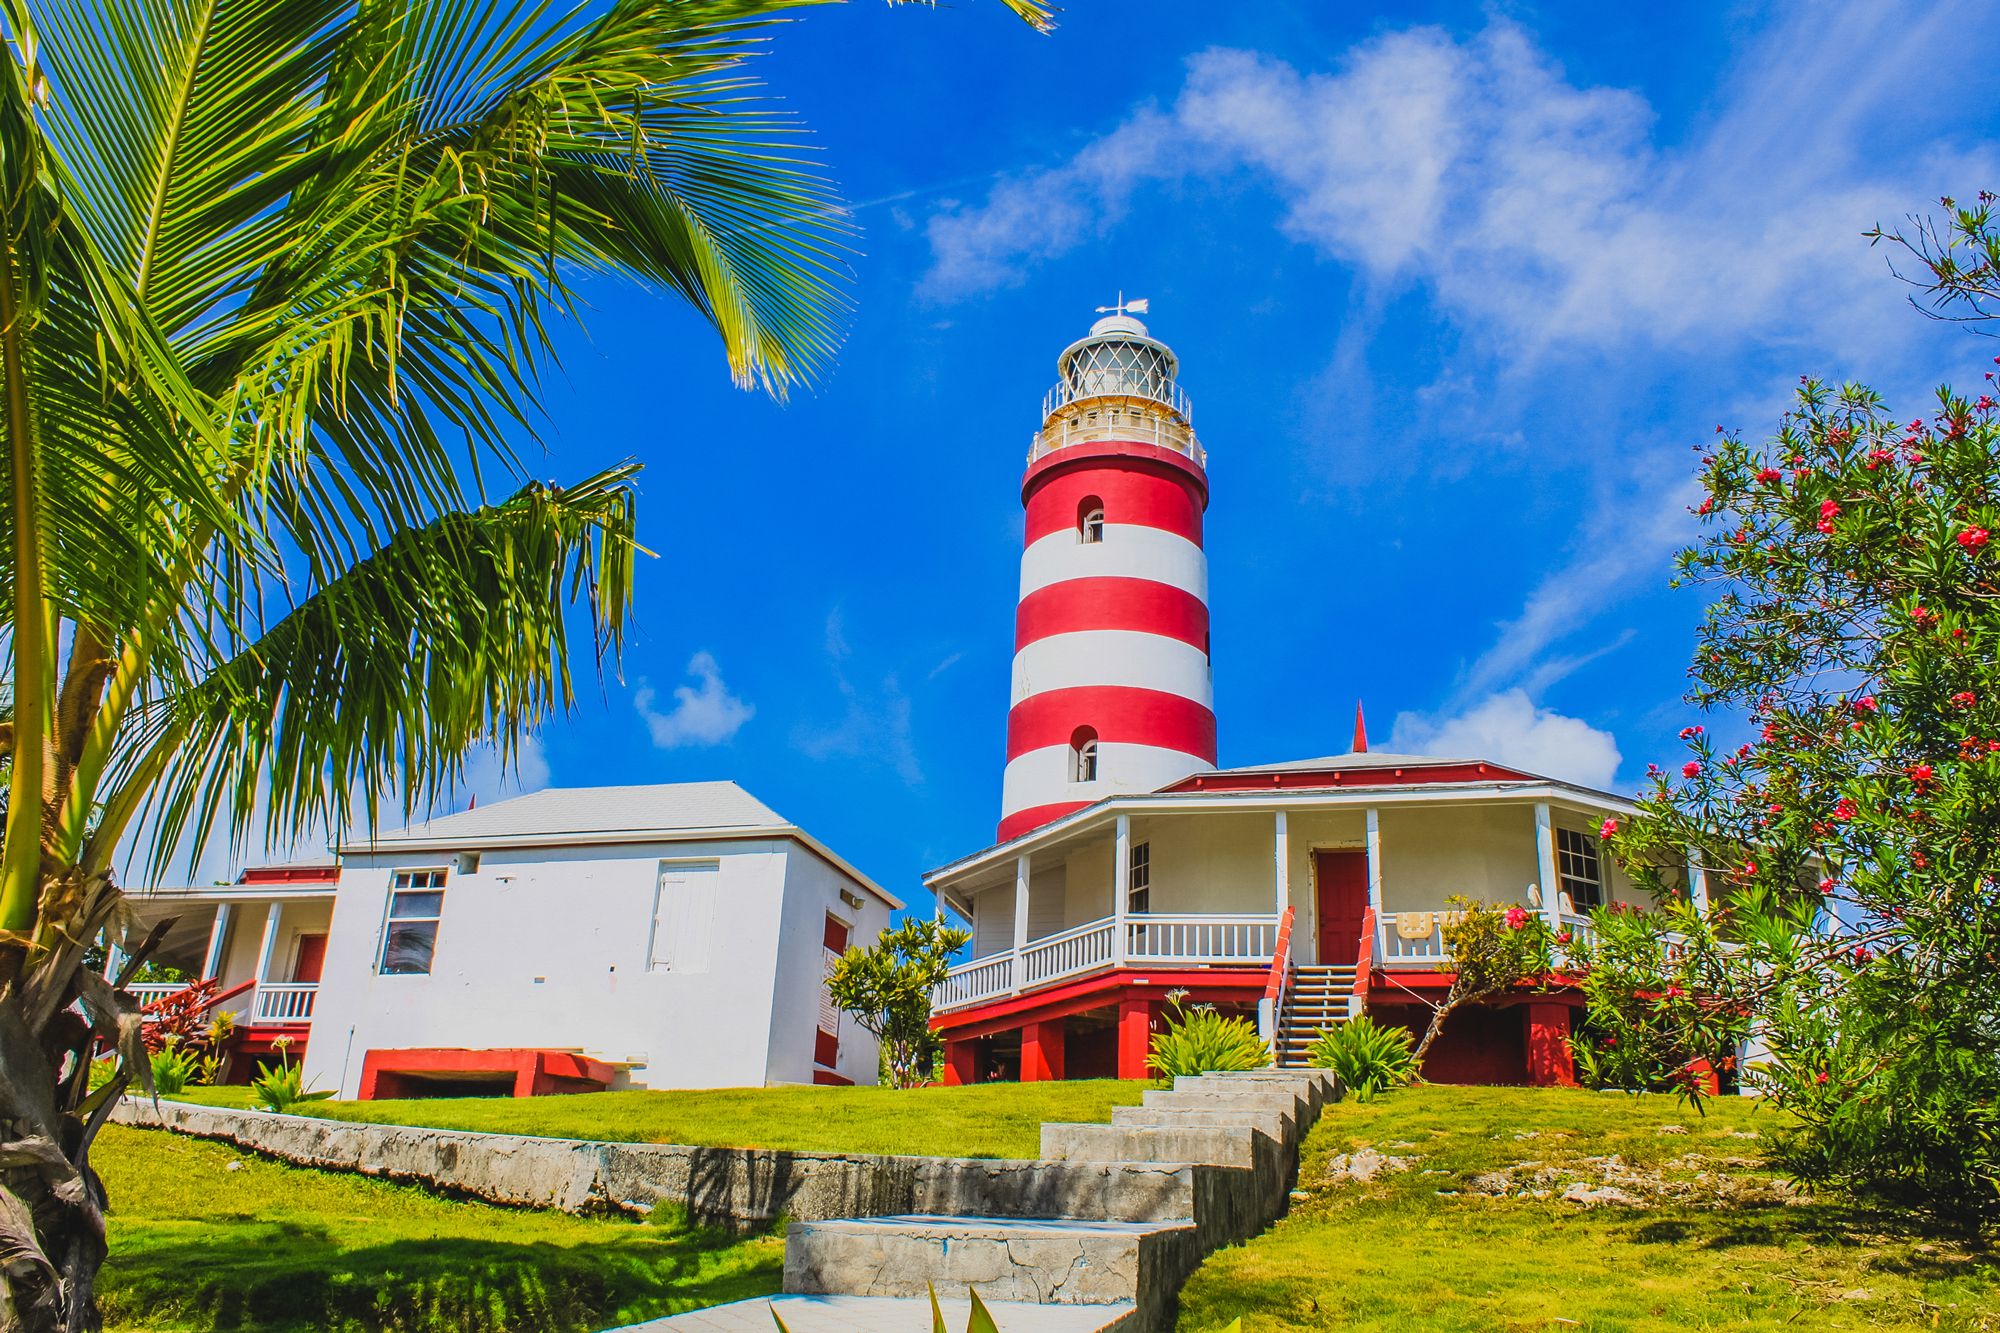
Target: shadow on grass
[
  {"x": 287, "y": 1278},
  {"x": 1886, "y": 1235}
]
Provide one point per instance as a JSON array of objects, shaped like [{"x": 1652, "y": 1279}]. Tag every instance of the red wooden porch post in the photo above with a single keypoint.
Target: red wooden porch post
[
  {"x": 1042, "y": 1051},
  {"x": 1135, "y": 1036},
  {"x": 1550, "y": 1063},
  {"x": 961, "y": 1063}
]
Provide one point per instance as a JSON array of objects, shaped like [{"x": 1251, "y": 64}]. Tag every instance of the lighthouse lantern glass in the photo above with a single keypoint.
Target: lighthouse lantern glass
[{"x": 1116, "y": 366}]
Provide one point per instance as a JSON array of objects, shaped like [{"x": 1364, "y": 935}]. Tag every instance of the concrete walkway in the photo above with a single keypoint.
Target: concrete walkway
[{"x": 1227, "y": 1143}]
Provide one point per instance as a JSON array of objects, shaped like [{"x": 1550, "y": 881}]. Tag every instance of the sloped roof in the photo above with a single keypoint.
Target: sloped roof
[
  {"x": 1353, "y": 759},
  {"x": 643, "y": 811},
  {"x": 660, "y": 812}
]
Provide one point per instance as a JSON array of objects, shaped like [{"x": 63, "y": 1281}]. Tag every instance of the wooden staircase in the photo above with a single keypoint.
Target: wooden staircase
[{"x": 1315, "y": 999}]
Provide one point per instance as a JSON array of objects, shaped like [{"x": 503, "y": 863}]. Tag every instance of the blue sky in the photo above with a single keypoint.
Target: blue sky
[{"x": 1457, "y": 289}]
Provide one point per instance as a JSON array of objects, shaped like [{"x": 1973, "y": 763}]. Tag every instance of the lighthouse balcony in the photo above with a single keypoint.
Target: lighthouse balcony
[{"x": 1103, "y": 419}]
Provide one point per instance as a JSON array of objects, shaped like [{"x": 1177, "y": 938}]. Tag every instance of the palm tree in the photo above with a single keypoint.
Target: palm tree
[{"x": 276, "y": 278}]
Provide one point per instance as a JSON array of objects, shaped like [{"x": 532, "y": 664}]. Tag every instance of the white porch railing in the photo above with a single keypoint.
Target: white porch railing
[
  {"x": 1417, "y": 938},
  {"x": 1067, "y": 954},
  {"x": 1148, "y": 939},
  {"x": 980, "y": 979},
  {"x": 285, "y": 1002},
  {"x": 1201, "y": 939},
  {"x": 152, "y": 992}
]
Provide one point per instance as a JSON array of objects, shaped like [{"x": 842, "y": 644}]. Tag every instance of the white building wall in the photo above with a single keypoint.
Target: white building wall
[
  {"x": 993, "y": 921},
  {"x": 552, "y": 948},
  {"x": 812, "y": 893},
  {"x": 1210, "y": 862},
  {"x": 1481, "y": 851}
]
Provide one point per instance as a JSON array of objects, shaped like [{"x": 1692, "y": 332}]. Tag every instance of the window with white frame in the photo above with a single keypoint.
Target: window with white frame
[
  {"x": 1090, "y": 520},
  {"x": 409, "y": 937},
  {"x": 1083, "y": 755},
  {"x": 684, "y": 915},
  {"x": 1577, "y": 866},
  {"x": 1139, "y": 881}
]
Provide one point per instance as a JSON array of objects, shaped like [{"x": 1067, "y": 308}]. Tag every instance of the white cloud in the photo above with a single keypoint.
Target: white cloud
[
  {"x": 1538, "y": 212},
  {"x": 1507, "y": 728},
  {"x": 704, "y": 713}
]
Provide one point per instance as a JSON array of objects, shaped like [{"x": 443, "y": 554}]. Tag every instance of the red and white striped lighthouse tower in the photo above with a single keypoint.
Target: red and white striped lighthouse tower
[{"x": 1112, "y": 687}]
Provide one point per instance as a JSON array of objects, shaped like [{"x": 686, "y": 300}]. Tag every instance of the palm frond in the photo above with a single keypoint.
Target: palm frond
[{"x": 449, "y": 635}]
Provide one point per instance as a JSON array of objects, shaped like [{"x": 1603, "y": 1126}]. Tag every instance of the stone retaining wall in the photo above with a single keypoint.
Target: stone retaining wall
[{"x": 736, "y": 1187}]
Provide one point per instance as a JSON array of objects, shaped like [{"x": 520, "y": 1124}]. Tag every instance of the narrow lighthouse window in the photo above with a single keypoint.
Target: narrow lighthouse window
[
  {"x": 1083, "y": 756},
  {"x": 1090, "y": 519}
]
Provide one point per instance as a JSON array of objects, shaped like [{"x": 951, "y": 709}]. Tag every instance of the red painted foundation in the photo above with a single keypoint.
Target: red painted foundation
[{"x": 530, "y": 1073}]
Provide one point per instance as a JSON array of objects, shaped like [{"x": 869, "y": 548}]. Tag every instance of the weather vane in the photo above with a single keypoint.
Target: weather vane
[{"x": 1125, "y": 307}]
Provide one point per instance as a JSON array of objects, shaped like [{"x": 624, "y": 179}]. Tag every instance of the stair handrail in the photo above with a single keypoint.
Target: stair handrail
[
  {"x": 1364, "y": 964},
  {"x": 1281, "y": 960},
  {"x": 1274, "y": 984}
]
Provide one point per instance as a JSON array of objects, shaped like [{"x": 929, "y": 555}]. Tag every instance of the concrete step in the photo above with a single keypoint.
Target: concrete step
[
  {"x": 888, "y": 1314},
  {"x": 1316, "y": 1089},
  {"x": 1274, "y": 1123},
  {"x": 1210, "y": 1144},
  {"x": 1043, "y": 1261},
  {"x": 1296, "y": 1109}
]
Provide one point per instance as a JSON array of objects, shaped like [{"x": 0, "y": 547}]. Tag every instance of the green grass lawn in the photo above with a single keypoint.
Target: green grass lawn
[
  {"x": 1421, "y": 1251},
  {"x": 990, "y": 1120},
  {"x": 207, "y": 1238}
]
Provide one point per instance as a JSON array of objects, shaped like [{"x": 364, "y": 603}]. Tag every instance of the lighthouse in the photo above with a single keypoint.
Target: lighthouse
[{"x": 1112, "y": 688}]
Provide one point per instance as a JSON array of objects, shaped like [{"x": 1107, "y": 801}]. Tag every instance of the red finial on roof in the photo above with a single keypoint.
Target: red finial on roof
[{"x": 1360, "y": 730}]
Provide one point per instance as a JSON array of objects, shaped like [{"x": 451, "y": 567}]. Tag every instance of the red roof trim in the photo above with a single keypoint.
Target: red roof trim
[{"x": 1388, "y": 775}]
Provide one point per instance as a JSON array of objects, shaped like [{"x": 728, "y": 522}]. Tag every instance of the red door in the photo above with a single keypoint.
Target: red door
[
  {"x": 1342, "y": 882},
  {"x": 312, "y": 957}
]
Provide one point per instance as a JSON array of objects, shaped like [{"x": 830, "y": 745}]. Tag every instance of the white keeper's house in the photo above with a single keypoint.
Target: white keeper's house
[
  {"x": 1127, "y": 865},
  {"x": 668, "y": 936}
]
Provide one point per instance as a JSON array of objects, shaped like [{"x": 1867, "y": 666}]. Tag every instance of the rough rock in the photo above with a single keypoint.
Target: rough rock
[
  {"x": 1593, "y": 1196},
  {"x": 1365, "y": 1164}
]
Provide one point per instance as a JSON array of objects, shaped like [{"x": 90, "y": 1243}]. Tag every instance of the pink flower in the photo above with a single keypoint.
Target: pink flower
[
  {"x": 1675, "y": 992},
  {"x": 1973, "y": 538},
  {"x": 1964, "y": 699},
  {"x": 1830, "y": 509},
  {"x": 1866, "y": 704},
  {"x": 1826, "y": 886},
  {"x": 1862, "y": 956},
  {"x": 1565, "y": 938},
  {"x": 1607, "y": 828},
  {"x": 1516, "y": 918},
  {"x": 1820, "y": 1077},
  {"x": 1689, "y": 733},
  {"x": 1920, "y": 773},
  {"x": 1825, "y": 525},
  {"x": 1770, "y": 474},
  {"x": 1691, "y": 769}
]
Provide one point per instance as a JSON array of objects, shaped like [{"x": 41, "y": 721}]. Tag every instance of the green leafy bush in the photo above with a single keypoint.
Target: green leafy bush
[
  {"x": 1198, "y": 1040},
  {"x": 173, "y": 1069},
  {"x": 281, "y": 1087},
  {"x": 1367, "y": 1056}
]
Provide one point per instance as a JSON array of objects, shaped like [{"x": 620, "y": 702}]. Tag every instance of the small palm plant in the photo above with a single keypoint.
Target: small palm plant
[
  {"x": 1199, "y": 1040},
  {"x": 174, "y": 1067},
  {"x": 1367, "y": 1056},
  {"x": 282, "y": 1086}
]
